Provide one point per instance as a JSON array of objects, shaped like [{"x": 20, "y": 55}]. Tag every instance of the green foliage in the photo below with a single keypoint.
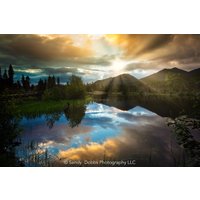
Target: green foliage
[
  {"x": 56, "y": 93},
  {"x": 33, "y": 108},
  {"x": 74, "y": 90},
  {"x": 9, "y": 125}
]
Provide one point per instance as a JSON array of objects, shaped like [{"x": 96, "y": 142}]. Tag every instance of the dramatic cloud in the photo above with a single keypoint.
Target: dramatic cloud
[
  {"x": 159, "y": 51},
  {"x": 98, "y": 56},
  {"x": 30, "y": 49}
]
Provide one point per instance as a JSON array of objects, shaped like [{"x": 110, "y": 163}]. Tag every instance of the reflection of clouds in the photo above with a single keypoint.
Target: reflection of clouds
[
  {"x": 93, "y": 151},
  {"x": 143, "y": 145},
  {"x": 59, "y": 135},
  {"x": 137, "y": 119},
  {"x": 100, "y": 108},
  {"x": 102, "y": 115},
  {"x": 140, "y": 111},
  {"x": 149, "y": 144},
  {"x": 110, "y": 133}
]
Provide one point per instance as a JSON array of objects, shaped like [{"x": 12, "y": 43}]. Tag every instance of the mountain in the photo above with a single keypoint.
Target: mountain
[
  {"x": 173, "y": 80},
  {"x": 165, "y": 81},
  {"x": 165, "y": 74},
  {"x": 195, "y": 73},
  {"x": 195, "y": 77},
  {"x": 123, "y": 83}
]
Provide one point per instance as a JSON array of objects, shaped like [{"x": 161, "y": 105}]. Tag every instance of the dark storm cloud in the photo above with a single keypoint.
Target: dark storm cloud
[
  {"x": 28, "y": 49},
  {"x": 45, "y": 55},
  {"x": 44, "y": 51}
]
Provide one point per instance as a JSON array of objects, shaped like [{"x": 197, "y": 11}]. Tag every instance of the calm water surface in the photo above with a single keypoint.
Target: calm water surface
[{"x": 98, "y": 132}]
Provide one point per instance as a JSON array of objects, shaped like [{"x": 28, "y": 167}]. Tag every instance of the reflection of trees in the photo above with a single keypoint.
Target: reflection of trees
[
  {"x": 9, "y": 131},
  {"x": 36, "y": 154},
  {"x": 74, "y": 113},
  {"x": 52, "y": 118}
]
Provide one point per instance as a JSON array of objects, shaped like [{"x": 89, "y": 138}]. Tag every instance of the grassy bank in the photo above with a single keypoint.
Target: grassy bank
[{"x": 34, "y": 108}]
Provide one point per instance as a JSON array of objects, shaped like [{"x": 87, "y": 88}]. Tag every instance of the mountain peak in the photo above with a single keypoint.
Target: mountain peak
[
  {"x": 174, "y": 69},
  {"x": 161, "y": 75},
  {"x": 120, "y": 83},
  {"x": 125, "y": 75}
]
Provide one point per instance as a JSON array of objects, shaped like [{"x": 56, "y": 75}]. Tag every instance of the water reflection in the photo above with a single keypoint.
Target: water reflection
[
  {"x": 108, "y": 130},
  {"x": 74, "y": 112},
  {"x": 165, "y": 106},
  {"x": 99, "y": 132},
  {"x": 52, "y": 118}
]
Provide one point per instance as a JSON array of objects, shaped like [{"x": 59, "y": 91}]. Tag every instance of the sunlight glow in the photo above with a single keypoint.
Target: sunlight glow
[{"x": 119, "y": 66}]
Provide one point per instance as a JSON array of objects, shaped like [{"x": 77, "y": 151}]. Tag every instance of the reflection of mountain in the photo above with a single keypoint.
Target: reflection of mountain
[
  {"x": 123, "y": 83},
  {"x": 163, "y": 106}
]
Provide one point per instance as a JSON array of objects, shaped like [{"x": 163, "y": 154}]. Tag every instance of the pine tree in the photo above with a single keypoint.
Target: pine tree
[
  {"x": 53, "y": 81},
  {"x": 49, "y": 82},
  {"x": 45, "y": 84},
  {"x": 5, "y": 75},
  {"x": 40, "y": 85},
  {"x": 58, "y": 81},
  {"x": 0, "y": 74},
  {"x": 5, "y": 79},
  {"x": 23, "y": 81},
  {"x": 1, "y": 81},
  {"x": 10, "y": 75},
  {"x": 18, "y": 84},
  {"x": 27, "y": 83}
]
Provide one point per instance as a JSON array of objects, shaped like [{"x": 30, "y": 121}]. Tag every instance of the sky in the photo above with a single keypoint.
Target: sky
[{"x": 95, "y": 57}]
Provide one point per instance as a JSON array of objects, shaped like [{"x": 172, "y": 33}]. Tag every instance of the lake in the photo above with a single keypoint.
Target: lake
[{"x": 103, "y": 133}]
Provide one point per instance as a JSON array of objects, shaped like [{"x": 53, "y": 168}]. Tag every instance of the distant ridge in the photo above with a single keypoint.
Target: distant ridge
[
  {"x": 165, "y": 72},
  {"x": 195, "y": 72},
  {"x": 122, "y": 83},
  {"x": 172, "y": 80}
]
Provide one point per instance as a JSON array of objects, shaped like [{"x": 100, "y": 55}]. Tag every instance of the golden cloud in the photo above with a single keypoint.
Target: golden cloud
[
  {"x": 159, "y": 51},
  {"x": 93, "y": 151}
]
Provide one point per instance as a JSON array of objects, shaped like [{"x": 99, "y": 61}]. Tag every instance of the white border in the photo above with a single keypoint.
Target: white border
[
  {"x": 99, "y": 17},
  {"x": 99, "y": 183}
]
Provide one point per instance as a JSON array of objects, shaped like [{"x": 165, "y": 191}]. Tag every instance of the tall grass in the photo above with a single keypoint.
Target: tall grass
[{"x": 34, "y": 108}]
